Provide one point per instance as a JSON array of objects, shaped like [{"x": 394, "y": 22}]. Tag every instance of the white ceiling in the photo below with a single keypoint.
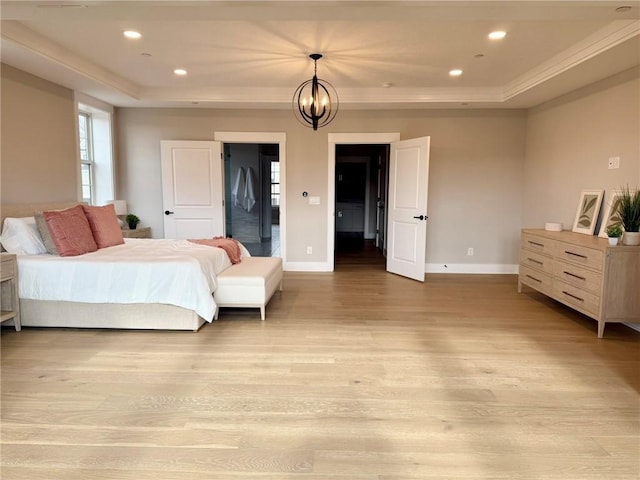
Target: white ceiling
[{"x": 255, "y": 53}]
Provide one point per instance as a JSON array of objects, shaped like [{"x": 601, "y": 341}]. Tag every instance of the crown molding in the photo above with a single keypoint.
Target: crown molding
[
  {"x": 18, "y": 34},
  {"x": 606, "y": 38}
]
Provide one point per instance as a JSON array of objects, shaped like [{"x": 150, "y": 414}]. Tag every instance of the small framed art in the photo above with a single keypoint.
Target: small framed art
[
  {"x": 588, "y": 210},
  {"x": 611, "y": 215}
]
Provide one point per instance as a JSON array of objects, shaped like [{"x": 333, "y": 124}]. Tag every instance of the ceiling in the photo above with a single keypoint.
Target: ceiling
[{"x": 377, "y": 54}]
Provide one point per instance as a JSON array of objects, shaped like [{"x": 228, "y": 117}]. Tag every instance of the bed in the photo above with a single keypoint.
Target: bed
[{"x": 86, "y": 299}]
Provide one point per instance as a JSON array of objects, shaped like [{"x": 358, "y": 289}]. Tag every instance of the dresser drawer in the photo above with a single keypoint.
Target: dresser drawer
[
  {"x": 538, "y": 244},
  {"x": 587, "y": 257},
  {"x": 536, "y": 260},
  {"x": 577, "y": 297},
  {"x": 535, "y": 279},
  {"x": 578, "y": 276}
]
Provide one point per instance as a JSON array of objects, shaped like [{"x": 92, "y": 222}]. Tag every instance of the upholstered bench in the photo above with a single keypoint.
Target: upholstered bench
[{"x": 250, "y": 283}]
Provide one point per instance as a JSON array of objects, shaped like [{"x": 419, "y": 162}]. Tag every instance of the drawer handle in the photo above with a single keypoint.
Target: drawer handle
[
  {"x": 533, "y": 260},
  {"x": 536, "y": 243},
  {"x": 574, "y": 275},
  {"x": 573, "y": 296},
  {"x": 575, "y": 254},
  {"x": 534, "y": 278}
]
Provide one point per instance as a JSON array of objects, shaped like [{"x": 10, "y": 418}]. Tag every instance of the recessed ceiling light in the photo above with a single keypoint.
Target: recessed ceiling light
[
  {"x": 145, "y": 54},
  {"x": 455, "y": 72},
  {"x": 132, "y": 34},
  {"x": 623, "y": 8},
  {"x": 497, "y": 35},
  {"x": 387, "y": 85},
  {"x": 478, "y": 55},
  {"x": 180, "y": 71}
]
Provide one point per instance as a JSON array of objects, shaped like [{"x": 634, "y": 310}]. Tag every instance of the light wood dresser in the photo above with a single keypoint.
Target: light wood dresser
[{"x": 584, "y": 273}]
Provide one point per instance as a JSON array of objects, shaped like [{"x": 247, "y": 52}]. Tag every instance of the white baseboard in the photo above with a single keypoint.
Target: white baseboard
[
  {"x": 479, "y": 268},
  {"x": 307, "y": 267}
]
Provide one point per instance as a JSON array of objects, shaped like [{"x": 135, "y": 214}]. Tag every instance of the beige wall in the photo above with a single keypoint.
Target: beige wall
[
  {"x": 491, "y": 171},
  {"x": 38, "y": 148},
  {"x": 474, "y": 185},
  {"x": 569, "y": 142}
]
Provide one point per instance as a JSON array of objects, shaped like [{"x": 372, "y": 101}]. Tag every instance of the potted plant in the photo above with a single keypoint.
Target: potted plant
[
  {"x": 614, "y": 232},
  {"x": 133, "y": 221},
  {"x": 630, "y": 215}
]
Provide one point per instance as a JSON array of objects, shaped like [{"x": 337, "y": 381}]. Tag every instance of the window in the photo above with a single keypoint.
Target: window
[
  {"x": 86, "y": 156},
  {"x": 275, "y": 184},
  {"x": 95, "y": 151}
]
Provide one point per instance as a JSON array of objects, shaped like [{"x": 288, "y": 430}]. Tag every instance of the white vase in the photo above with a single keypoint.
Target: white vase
[
  {"x": 613, "y": 241},
  {"x": 631, "y": 238}
]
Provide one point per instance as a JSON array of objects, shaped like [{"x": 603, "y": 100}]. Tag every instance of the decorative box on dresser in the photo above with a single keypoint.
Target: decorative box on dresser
[
  {"x": 9, "y": 302},
  {"x": 142, "y": 232},
  {"x": 584, "y": 272}
]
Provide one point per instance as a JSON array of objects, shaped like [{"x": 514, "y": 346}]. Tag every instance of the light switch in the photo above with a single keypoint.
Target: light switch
[{"x": 314, "y": 200}]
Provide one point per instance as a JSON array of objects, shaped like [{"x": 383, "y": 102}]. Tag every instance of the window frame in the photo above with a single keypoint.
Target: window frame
[{"x": 89, "y": 161}]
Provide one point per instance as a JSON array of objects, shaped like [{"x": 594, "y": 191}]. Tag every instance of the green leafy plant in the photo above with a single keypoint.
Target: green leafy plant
[
  {"x": 630, "y": 209},
  {"x": 614, "y": 231},
  {"x": 132, "y": 220}
]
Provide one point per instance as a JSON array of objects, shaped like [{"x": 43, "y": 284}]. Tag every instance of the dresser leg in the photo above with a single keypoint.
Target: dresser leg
[{"x": 601, "y": 324}]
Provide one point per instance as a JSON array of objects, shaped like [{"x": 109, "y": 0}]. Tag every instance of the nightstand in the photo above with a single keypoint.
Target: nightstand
[
  {"x": 144, "y": 232},
  {"x": 10, "y": 304}
]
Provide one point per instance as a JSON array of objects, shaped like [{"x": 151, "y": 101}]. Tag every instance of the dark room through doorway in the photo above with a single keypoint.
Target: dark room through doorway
[{"x": 361, "y": 184}]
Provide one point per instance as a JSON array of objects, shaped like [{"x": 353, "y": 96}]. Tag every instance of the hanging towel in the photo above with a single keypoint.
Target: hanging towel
[
  {"x": 237, "y": 193},
  {"x": 249, "y": 192}
]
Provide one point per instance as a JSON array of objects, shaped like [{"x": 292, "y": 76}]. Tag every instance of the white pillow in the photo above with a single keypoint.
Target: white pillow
[{"x": 21, "y": 236}]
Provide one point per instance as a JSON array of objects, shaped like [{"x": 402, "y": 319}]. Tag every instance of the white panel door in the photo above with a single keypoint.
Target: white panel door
[
  {"x": 407, "y": 207},
  {"x": 192, "y": 189}
]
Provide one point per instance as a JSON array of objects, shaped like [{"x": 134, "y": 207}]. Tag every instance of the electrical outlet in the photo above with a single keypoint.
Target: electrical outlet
[
  {"x": 613, "y": 162},
  {"x": 470, "y": 252},
  {"x": 309, "y": 250}
]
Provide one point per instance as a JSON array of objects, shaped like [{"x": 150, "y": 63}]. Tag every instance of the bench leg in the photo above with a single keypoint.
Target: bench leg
[
  {"x": 215, "y": 315},
  {"x": 262, "y": 313}
]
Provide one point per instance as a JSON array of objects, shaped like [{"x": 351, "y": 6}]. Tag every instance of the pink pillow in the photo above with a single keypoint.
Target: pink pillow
[
  {"x": 104, "y": 225},
  {"x": 70, "y": 231}
]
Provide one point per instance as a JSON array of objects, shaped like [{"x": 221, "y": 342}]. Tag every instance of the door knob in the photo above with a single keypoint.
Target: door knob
[
  {"x": 167, "y": 212},
  {"x": 421, "y": 217}
]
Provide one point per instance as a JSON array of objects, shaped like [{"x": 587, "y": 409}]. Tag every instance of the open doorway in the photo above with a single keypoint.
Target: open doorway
[
  {"x": 361, "y": 184},
  {"x": 252, "y": 196}
]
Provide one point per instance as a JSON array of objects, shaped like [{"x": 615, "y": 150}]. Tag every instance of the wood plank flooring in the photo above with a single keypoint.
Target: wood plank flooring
[{"x": 356, "y": 375}]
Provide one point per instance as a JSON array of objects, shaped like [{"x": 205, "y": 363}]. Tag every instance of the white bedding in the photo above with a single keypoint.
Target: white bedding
[{"x": 175, "y": 272}]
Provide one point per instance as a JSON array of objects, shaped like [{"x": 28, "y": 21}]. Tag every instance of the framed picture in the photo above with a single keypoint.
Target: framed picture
[
  {"x": 611, "y": 215},
  {"x": 588, "y": 210}
]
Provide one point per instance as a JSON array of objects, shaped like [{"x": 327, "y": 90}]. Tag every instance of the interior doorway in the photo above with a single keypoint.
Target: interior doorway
[
  {"x": 252, "y": 196},
  {"x": 361, "y": 184}
]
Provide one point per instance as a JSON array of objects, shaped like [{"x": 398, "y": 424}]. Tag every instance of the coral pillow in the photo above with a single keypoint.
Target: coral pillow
[
  {"x": 70, "y": 231},
  {"x": 104, "y": 225}
]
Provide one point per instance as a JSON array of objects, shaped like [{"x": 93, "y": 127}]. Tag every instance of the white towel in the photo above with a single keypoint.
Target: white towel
[
  {"x": 249, "y": 192},
  {"x": 237, "y": 193}
]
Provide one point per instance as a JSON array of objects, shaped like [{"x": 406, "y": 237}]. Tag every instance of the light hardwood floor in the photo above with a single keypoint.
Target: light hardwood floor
[{"x": 357, "y": 375}]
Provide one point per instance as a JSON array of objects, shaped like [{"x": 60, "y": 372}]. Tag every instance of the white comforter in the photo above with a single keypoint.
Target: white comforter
[{"x": 175, "y": 272}]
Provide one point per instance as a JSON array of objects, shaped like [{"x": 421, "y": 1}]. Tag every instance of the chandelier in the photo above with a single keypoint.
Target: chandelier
[{"x": 315, "y": 102}]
